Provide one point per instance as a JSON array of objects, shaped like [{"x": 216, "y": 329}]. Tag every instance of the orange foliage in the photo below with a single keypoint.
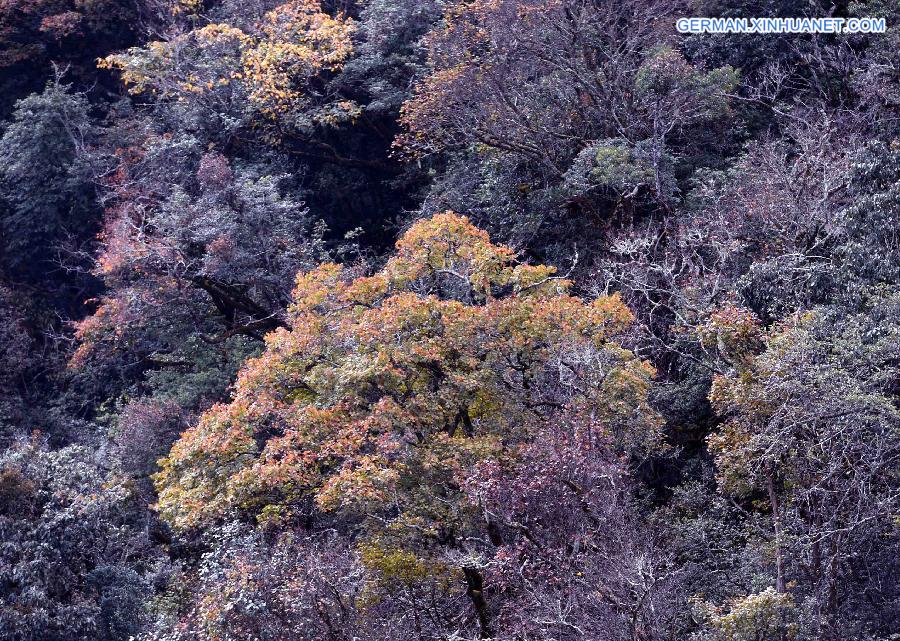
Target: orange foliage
[{"x": 390, "y": 387}]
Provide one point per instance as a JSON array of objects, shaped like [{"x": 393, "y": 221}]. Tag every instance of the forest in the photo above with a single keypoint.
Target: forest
[{"x": 448, "y": 320}]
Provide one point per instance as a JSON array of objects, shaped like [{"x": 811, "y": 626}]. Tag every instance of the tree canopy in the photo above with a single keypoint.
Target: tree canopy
[{"x": 259, "y": 380}]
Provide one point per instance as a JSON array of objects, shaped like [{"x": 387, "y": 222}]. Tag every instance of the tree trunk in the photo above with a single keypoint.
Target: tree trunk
[
  {"x": 475, "y": 590},
  {"x": 776, "y": 519}
]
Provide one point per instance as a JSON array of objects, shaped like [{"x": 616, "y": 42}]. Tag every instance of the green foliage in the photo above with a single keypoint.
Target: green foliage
[
  {"x": 812, "y": 425},
  {"x": 16, "y": 364},
  {"x": 74, "y": 559},
  {"x": 870, "y": 251},
  {"x": 690, "y": 435},
  {"x": 615, "y": 166},
  {"x": 45, "y": 182},
  {"x": 667, "y": 79},
  {"x": 764, "y": 616},
  {"x": 387, "y": 388},
  {"x": 269, "y": 71}
]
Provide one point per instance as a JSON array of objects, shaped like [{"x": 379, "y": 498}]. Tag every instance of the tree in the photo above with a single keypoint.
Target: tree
[
  {"x": 267, "y": 418},
  {"x": 45, "y": 181},
  {"x": 528, "y": 94},
  {"x": 248, "y": 587},
  {"x": 388, "y": 55},
  {"x": 197, "y": 259},
  {"x": 271, "y": 71},
  {"x": 765, "y": 232},
  {"x": 574, "y": 558},
  {"x": 192, "y": 253},
  {"x": 565, "y": 555},
  {"x": 37, "y": 35},
  {"x": 811, "y": 431},
  {"x": 388, "y": 389},
  {"x": 869, "y": 251},
  {"x": 75, "y": 561},
  {"x": 451, "y": 347},
  {"x": 16, "y": 362}
]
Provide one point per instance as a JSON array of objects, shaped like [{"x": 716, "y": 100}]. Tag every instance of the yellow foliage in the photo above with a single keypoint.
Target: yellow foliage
[
  {"x": 388, "y": 388},
  {"x": 764, "y": 616},
  {"x": 393, "y": 564},
  {"x": 274, "y": 63}
]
